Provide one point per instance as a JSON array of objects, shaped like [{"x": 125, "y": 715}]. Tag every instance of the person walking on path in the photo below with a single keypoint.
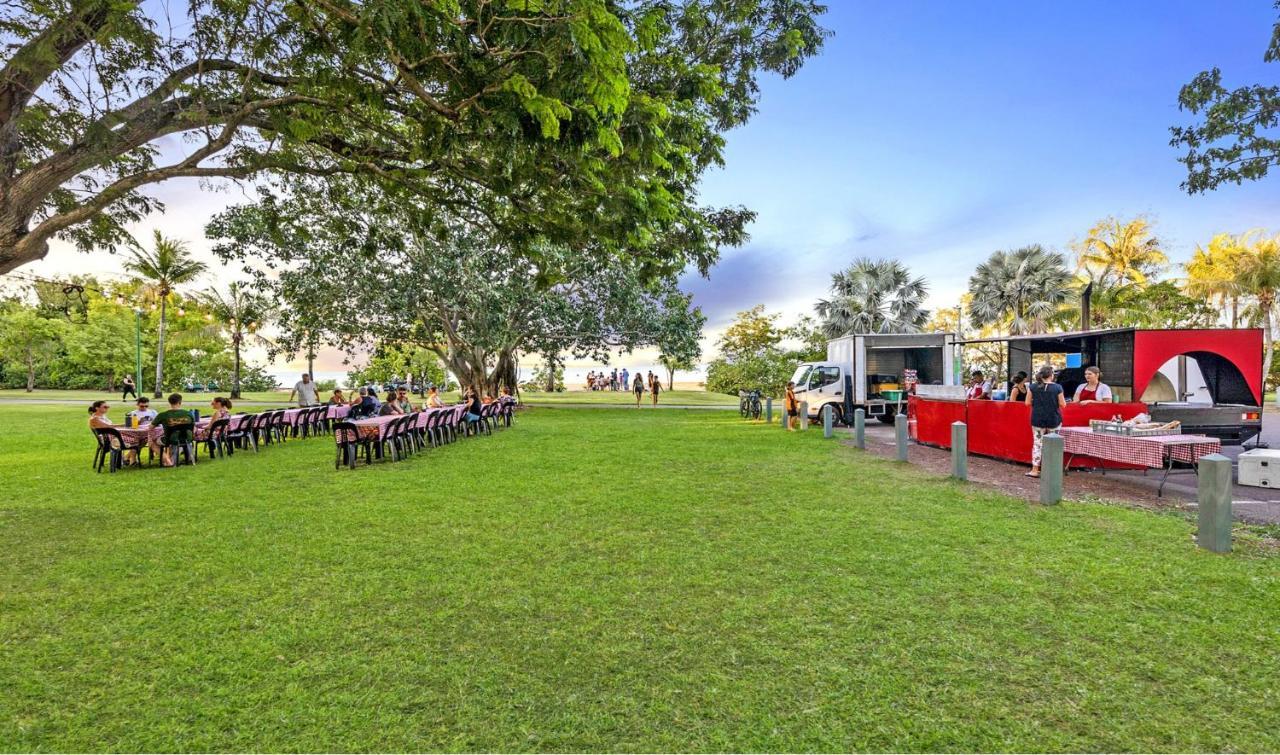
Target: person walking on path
[
  {"x": 638, "y": 387},
  {"x": 130, "y": 388},
  {"x": 1046, "y": 401},
  {"x": 655, "y": 387},
  {"x": 791, "y": 407}
]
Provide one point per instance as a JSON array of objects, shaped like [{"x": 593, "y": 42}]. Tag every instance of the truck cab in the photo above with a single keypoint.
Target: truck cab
[{"x": 868, "y": 372}]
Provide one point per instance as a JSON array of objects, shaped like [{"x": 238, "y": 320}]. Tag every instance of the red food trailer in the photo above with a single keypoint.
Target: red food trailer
[{"x": 1131, "y": 361}]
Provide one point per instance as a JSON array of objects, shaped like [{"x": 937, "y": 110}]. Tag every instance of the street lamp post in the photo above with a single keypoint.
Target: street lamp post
[{"x": 137, "y": 345}]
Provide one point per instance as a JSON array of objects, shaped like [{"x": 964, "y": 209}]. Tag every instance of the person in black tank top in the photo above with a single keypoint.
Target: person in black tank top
[{"x": 1046, "y": 401}]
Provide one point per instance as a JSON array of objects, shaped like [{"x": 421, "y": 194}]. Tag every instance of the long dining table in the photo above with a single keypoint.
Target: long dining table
[
  {"x": 375, "y": 428},
  {"x": 146, "y": 432}
]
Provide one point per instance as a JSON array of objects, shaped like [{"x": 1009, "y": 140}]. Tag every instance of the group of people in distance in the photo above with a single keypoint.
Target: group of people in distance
[
  {"x": 143, "y": 414},
  {"x": 1047, "y": 400},
  {"x": 617, "y": 380}
]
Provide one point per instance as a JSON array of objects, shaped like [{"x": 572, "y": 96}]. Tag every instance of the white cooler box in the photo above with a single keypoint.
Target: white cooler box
[{"x": 1260, "y": 468}]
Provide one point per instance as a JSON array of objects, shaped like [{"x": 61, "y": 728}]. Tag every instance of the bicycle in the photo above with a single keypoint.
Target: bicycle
[{"x": 749, "y": 404}]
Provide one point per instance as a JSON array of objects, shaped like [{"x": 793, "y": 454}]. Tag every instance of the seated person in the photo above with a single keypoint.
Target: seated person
[
  {"x": 220, "y": 409},
  {"x": 402, "y": 399},
  {"x": 174, "y": 416},
  {"x": 433, "y": 398},
  {"x": 368, "y": 405},
  {"x": 98, "y": 415},
  {"x": 474, "y": 406},
  {"x": 337, "y": 399},
  {"x": 144, "y": 414},
  {"x": 391, "y": 406}
]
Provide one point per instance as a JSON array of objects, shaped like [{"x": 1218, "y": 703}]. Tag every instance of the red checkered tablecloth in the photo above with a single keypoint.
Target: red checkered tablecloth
[{"x": 1151, "y": 451}]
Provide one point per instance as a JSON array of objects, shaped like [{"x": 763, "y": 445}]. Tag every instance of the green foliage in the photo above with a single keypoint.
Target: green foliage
[
  {"x": 393, "y": 362},
  {"x": 874, "y": 296},
  {"x": 1235, "y": 140},
  {"x": 568, "y": 120},
  {"x": 30, "y": 342},
  {"x": 548, "y": 375},
  {"x": 751, "y": 355},
  {"x": 809, "y": 334},
  {"x": 1019, "y": 291},
  {"x": 767, "y": 371}
]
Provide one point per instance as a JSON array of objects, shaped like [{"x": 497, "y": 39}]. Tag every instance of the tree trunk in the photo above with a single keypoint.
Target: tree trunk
[
  {"x": 235, "y": 374},
  {"x": 671, "y": 378},
  {"x": 1235, "y": 311},
  {"x": 31, "y": 372},
  {"x": 551, "y": 374},
  {"x": 311, "y": 365},
  {"x": 159, "y": 389}
]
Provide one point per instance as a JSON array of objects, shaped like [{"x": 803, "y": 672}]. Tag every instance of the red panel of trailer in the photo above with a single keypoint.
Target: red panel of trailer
[
  {"x": 1241, "y": 347},
  {"x": 930, "y": 419}
]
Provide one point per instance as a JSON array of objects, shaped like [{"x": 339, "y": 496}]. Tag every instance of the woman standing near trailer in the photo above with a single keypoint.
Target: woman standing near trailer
[{"x": 1046, "y": 401}]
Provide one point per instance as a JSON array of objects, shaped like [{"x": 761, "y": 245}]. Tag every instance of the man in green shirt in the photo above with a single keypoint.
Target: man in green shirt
[{"x": 174, "y": 416}]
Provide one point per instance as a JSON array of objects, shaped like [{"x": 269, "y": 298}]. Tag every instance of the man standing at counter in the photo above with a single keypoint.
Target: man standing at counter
[{"x": 1092, "y": 390}]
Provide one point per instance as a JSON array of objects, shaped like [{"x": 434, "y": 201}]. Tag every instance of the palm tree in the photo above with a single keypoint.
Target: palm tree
[
  {"x": 167, "y": 266},
  {"x": 1024, "y": 288},
  {"x": 241, "y": 312},
  {"x": 1258, "y": 277},
  {"x": 1211, "y": 273},
  {"x": 1117, "y": 254},
  {"x": 874, "y": 296}
]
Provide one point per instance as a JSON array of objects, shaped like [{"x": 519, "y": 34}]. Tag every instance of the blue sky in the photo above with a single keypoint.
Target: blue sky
[{"x": 936, "y": 133}]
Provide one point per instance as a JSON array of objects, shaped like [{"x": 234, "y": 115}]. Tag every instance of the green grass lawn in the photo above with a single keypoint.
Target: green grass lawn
[{"x": 606, "y": 580}]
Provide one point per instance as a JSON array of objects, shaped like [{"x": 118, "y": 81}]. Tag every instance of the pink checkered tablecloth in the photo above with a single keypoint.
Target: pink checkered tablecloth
[
  {"x": 140, "y": 435},
  {"x": 1151, "y": 451}
]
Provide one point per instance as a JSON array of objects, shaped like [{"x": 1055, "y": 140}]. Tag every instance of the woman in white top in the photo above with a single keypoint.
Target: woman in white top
[{"x": 1092, "y": 390}]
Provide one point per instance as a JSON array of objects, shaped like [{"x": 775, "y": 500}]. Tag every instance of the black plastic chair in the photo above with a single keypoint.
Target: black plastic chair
[
  {"x": 217, "y": 442},
  {"x": 179, "y": 441},
  {"x": 349, "y": 441},
  {"x": 111, "y": 448}
]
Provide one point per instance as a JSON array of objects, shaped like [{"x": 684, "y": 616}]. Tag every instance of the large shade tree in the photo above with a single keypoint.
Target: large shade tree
[
  {"x": 874, "y": 296},
  {"x": 167, "y": 265},
  {"x": 379, "y": 276},
  {"x": 564, "y": 119},
  {"x": 1021, "y": 289}
]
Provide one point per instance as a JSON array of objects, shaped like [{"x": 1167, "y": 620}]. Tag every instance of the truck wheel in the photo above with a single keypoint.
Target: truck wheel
[
  {"x": 886, "y": 419},
  {"x": 837, "y": 415}
]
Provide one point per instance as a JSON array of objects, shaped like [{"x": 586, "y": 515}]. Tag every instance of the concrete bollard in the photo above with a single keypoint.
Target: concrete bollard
[
  {"x": 959, "y": 450},
  {"x": 768, "y": 410},
  {"x": 804, "y": 415},
  {"x": 826, "y": 421},
  {"x": 1051, "y": 469},
  {"x": 860, "y": 428},
  {"x": 1214, "y": 516},
  {"x": 900, "y": 434}
]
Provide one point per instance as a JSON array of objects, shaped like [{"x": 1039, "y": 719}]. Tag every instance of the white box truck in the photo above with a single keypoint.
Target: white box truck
[{"x": 869, "y": 365}]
